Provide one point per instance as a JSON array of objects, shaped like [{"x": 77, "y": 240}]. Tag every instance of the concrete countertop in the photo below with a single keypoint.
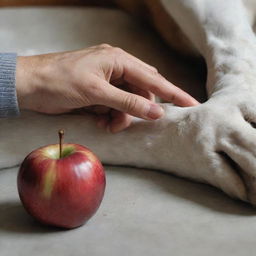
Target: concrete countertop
[{"x": 143, "y": 213}]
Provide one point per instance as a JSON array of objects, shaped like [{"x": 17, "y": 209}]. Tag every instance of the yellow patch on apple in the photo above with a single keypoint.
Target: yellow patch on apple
[{"x": 48, "y": 181}]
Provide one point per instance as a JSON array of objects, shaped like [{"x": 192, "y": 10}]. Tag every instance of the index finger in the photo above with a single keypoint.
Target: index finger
[{"x": 147, "y": 79}]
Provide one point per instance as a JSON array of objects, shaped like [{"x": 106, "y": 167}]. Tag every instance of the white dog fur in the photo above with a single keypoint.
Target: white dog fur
[{"x": 214, "y": 143}]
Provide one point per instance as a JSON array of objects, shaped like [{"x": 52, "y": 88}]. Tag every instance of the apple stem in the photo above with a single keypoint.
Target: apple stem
[{"x": 61, "y": 135}]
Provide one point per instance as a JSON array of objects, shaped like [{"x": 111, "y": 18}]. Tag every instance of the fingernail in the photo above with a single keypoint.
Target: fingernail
[{"x": 155, "y": 111}]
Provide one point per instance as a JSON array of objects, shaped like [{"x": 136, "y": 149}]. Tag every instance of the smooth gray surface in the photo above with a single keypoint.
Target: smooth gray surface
[{"x": 143, "y": 212}]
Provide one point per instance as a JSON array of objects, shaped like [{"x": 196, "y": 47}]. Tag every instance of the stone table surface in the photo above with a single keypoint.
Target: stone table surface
[{"x": 143, "y": 212}]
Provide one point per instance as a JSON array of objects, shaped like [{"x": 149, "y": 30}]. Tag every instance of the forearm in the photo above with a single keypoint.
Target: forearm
[
  {"x": 222, "y": 33},
  {"x": 140, "y": 145},
  {"x": 230, "y": 51}
]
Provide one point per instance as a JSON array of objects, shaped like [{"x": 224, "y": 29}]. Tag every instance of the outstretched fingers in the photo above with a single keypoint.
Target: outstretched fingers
[
  {"x": 127, "y": 102},
  {"x": 147, "y": 78}
]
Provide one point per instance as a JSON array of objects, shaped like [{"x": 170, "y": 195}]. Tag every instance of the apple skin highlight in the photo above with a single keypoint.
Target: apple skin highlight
[{"x": 63, "y": 192}]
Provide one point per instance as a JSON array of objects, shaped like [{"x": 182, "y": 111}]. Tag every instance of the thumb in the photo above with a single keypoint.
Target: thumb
[{"x": 130, "y": 103}]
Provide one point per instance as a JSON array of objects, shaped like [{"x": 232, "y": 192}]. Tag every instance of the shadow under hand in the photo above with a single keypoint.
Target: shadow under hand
[
  {"x": 206, "y": 196},
  {"x": 14, "y": 218},
  {"x": 198, "y": 193}
]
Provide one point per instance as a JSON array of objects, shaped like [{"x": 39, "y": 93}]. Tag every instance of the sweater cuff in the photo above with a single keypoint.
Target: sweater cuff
[{"x": 8, "y": 97}]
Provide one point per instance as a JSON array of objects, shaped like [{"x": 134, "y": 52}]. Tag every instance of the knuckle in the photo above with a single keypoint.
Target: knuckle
[
  {"x": 130, "y": 103},
  {"x": 104, "y": 46},
  {"x": 173, "y": 98},
  {"x": 154, "y": 70},
  {"x": 157, "y": 75}
]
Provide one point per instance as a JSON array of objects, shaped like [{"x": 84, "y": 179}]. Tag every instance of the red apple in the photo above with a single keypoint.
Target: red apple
[{"x": 63, "y": 191}]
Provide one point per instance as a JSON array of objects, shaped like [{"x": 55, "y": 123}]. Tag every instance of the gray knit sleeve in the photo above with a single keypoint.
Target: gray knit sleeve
[{"x": 8, "y": 98}]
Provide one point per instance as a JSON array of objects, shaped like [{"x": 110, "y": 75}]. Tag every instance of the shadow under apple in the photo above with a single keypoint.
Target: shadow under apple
[{"x": 14, "y": 218}]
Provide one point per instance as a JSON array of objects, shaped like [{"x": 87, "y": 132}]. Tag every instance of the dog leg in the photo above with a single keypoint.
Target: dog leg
[
  {"x": 222, "y": 32},
  {"x": 183, "y": 142}
]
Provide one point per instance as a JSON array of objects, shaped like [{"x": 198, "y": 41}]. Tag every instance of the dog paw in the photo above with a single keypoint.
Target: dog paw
[{"x": 215, "y": 143}]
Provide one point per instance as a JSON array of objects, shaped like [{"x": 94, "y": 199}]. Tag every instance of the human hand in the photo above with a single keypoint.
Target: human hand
[{"x": 108, "y": 81}]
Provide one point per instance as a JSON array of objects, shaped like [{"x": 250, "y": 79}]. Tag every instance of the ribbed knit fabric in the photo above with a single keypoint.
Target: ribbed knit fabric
[{"x": 8, "y": 98}]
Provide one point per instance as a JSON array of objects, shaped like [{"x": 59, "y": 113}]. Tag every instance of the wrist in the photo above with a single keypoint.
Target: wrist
[{"x": 25, "y": 76}]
